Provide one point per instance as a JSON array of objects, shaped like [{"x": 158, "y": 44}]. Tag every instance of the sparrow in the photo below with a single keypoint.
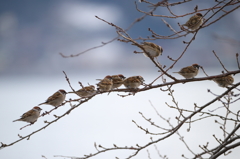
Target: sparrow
[
  {"x": 105, "y": 84},
  {"x": 194, "y": 22},
  {"x": 153, "y": 49},
  {"x": 224, "y": 81},
  {"x": 56, "y": 99},
  {"x": 117, "y": 80},
  {"x": 189, "y": 71},
  {"x": 133, "y": 82},
  {"x": 86, "y": 92},
  {"x": 30, "y": 116}
]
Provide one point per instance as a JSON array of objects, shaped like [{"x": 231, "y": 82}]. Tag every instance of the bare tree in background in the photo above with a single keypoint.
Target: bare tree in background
[{"x": 227, "y": 142}]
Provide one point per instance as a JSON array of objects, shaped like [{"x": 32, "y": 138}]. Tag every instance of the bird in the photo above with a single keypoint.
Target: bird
[
  {"x": 56, "y": 99},
  {"x": 117, "y": 80},
  {"x": 105, "y": 84},
  {"x": 224, "y": 81},
  {"x": 30, "y": 116},
  {"x": 133, "y": 82},
  {"x": 194, "y": 22},
  {"x": 152, "y": 49},
  {"x": 86, "y": 92},
  {"x": 189, "y": 71}
]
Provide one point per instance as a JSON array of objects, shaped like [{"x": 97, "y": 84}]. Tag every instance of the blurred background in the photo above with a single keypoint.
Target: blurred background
[{"x": 33, "y": 33}]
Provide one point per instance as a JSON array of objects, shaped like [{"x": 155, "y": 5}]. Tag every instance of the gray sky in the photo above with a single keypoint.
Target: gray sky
[{"x": 33, "y": 33}]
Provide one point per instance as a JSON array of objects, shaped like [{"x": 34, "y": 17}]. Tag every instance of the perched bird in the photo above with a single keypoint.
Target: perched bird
[
  {"x": 86, "y": 92},
  {"x": 133, "y": 82},
  {"x": 117, "y": 80},
  {"x": 153, "y": 49},
  {"x": 189, "y": 71},
  {"x": 194, "y": 22},
  {"x": 224, "y": 81},
  {"x": 30, "y": 116},
  {"x": 56, "y": 99},
  {"x": 105, "y": 84}
]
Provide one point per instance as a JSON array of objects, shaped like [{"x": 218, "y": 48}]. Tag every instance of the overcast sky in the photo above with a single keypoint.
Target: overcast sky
[{"x": 33, "y": 33}]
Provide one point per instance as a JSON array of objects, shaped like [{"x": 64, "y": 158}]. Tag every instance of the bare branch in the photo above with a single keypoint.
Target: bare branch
[{"x": 220, "y": 61}]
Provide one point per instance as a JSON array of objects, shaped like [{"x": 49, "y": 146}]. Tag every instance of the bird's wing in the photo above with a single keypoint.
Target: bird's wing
[
  {"x": 28, "y": 113},
  {"x": 54, "y": 96},
  {"x": 188, "y": 70}
]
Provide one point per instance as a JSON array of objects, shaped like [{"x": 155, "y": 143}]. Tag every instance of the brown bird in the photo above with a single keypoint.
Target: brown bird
[
  {"x": 152, "y": 49},
  {"x": 117, "y": 80},
  {"x": 56, "y": 99},
  {"x": 189, "y": 71},
  {"x": 86, "y": 92},
  {"x": 224, "y": 81},
  {"x": 105, "y": 84},
  {"x": 30, "y": 116},
  {"x": 194, "y": 22},
  {"x": 133, "y": 82}
]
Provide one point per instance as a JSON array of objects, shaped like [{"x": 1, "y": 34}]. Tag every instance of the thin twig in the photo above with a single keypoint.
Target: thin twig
[
  {"x": 203, "y": 71},
  {"x": 220, "y": 61},
  {"x": 168, "y": 25},
  {"x": 237, "y": 60}
]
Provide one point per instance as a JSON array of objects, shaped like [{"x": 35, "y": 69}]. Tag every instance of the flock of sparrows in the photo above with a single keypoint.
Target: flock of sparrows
[
  {"x": 115, "y": 81},
  {"x": 105, "y": 85}
]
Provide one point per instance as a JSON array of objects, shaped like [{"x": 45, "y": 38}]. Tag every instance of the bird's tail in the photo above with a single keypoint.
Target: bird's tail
[
  {"x": 42, "y": 103},
  {"x": 16, "y": 120}
]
